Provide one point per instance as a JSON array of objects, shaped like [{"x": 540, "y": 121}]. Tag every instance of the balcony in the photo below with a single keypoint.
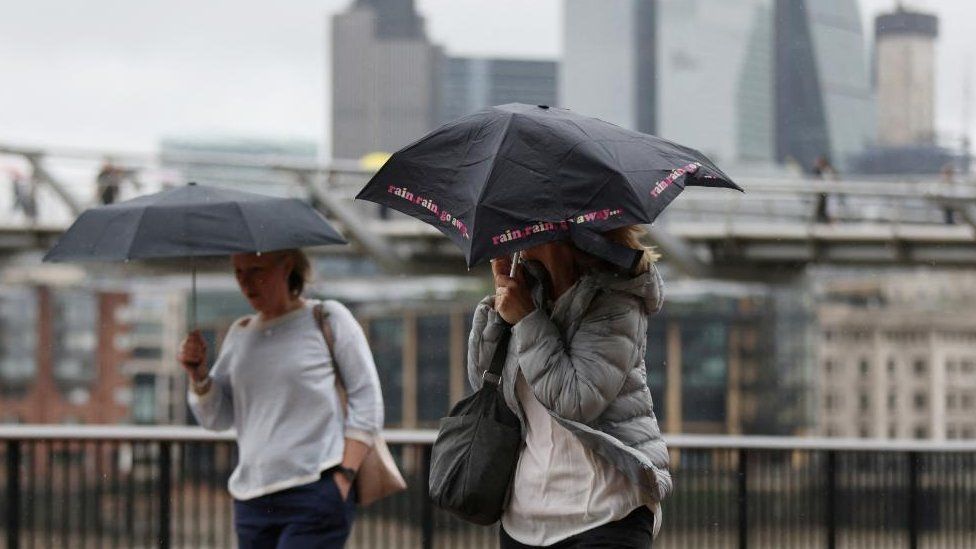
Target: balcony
[{"x": 110, "y": 486}]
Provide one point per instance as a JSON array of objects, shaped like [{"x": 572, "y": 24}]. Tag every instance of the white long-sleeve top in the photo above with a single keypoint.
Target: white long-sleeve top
[
  {"x": 274, "y": 383},
  {"x": 561, "y": 488}
]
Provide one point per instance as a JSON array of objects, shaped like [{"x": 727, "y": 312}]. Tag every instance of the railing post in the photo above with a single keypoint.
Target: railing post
[
  {"x": 743, "y": 498},
  {"x": 913, "y": 519},
  {"x": 13, "y": 494},
  {"x": 426, "y": 506},
  {"x": 165, "y": 491},
  {"x": 830, "y": 498}
]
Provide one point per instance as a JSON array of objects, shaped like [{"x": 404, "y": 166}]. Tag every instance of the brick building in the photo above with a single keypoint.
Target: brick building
[{"x": 60, "y": 361}]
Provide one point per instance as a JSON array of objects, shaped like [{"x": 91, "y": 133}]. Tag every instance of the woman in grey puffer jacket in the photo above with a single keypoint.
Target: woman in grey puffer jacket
[{"x": 593, "y": 465}]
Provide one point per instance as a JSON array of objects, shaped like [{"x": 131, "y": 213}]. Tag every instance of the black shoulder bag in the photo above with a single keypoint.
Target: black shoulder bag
[{"x": 473, "y": 459}]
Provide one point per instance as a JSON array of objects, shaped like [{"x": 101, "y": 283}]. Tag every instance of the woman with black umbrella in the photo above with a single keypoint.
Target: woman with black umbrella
[
  {"x": 274, "y": 381},
  {"x": 593, "y": 466}
]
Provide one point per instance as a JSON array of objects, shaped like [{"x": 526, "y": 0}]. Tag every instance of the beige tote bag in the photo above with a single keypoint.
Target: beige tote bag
[{"x": 378, "y": 475}]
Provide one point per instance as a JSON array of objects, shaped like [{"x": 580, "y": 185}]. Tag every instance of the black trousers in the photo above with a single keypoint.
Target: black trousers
[{"x": 635, "y": 531}]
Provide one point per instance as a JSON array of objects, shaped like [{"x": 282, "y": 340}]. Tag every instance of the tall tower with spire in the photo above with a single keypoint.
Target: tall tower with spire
[{"x": 384, "y": 78}]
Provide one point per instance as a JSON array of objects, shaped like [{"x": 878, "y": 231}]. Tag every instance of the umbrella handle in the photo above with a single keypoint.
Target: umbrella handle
[{"x": 515, "y": 259}]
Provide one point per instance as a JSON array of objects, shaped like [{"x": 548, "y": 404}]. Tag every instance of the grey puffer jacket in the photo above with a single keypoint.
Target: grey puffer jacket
[{"x": 585, "y": 364}]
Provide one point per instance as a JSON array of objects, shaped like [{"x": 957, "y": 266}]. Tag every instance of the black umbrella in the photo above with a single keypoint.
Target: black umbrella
[
  {"x": 514, "y": 176},
  {"x": 192, "y": 221}
]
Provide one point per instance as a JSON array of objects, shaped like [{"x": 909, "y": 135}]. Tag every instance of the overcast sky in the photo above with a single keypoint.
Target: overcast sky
[{"x": 120, "y": 74}]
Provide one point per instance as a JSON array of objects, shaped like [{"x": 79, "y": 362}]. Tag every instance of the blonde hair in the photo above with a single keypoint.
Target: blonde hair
[
  {"x": 301, "y": 271},
  {"x": 631, "y": 236}
]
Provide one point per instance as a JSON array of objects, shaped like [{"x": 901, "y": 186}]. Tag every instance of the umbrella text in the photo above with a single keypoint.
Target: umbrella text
[
  {"x": 430, "y": 206},
  {"x": 675, "y": 174},
  {"x": 546, "y": 226}
]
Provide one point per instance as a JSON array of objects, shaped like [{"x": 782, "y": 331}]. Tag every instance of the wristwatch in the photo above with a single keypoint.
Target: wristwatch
[{"x": 347, "y": 472}]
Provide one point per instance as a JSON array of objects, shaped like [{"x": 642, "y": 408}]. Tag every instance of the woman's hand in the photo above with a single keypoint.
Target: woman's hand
[
  {"x": 512, "y": 298},
  {"x": 343, "y": 484},
  {"x": 193, "y": 355}
]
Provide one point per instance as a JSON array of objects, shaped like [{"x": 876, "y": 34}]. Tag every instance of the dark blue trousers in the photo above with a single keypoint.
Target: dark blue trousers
[{"x": 312, "y": 516}]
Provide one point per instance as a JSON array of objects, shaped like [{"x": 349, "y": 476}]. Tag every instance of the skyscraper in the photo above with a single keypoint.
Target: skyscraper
[
  {"x": 714, "y": 74},
  {"x": 609, "y": 66},
  {"x": 384, "y": 78},
  {"x": 745, "y": 81},
  {"x": 470, "y": 84},
  {"x": 824, "y": 104},
  {"x": 905, "y": 76}
]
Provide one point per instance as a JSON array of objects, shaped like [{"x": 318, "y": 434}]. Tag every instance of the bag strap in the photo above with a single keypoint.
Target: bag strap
[
  {"x": 493, "y": 375},
  {"x": 322, "y": 319}
]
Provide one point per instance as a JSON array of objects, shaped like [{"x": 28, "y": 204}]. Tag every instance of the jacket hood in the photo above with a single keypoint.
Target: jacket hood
[{"x": 648, "y": 286}]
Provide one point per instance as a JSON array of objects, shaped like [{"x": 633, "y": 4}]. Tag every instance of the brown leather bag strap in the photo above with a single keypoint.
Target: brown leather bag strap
[{"x": 322, "y": 319}]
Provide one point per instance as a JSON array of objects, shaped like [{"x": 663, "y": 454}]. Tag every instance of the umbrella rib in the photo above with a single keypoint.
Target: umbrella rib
[
  {"x": 484, "y": 187},
  {"x": 135, "y": 233},
  {"x": 247, "y": 225}
]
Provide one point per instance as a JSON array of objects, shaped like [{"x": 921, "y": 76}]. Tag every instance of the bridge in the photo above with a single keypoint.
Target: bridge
[{"x": 769, "y": 231}]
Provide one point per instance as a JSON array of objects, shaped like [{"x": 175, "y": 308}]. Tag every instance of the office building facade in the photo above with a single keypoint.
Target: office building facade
[
  {"x": 744, "y": 81},
  {"x": 471, "y": 84},
  {"x": 898, "y": 358},
  {"x": 609, "y": 66},
  {"x": 385, "y": 75}
]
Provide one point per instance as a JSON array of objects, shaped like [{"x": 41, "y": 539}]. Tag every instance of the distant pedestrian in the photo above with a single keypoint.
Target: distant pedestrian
[
  {"x": 593, "y": 467},
  {"x": 25, "y": 199},
  {"x": 948, "y": 174},
  {"x": 823, "y": 170},
  {"x": 274, "y": 382},
  {"x": 108, "y": 181}
]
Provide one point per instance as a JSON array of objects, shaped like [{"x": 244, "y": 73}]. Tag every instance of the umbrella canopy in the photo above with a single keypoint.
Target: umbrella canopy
[
  {"x": 191, "y": 221},
  {"x": 514, "y": 176}
]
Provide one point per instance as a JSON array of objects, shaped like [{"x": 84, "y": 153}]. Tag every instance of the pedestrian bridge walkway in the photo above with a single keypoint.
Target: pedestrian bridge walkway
[{"x": 772, "y": 227}]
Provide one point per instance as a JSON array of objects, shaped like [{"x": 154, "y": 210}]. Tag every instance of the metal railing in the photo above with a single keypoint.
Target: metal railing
[{"x": 156, "y": 486}]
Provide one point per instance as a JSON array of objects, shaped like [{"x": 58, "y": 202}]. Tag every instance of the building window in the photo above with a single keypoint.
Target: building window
[
  {"x": 921, "y": 432},
  {"x": 891, "y": 366},
  {"x": 865, "y": 403},
  {"x": 386, "y": 338},
  {"x": 920, "y": 367},
  {"x": 892, "y": 431},
  {"x": 830, "y": 402},
  {"x": 18, "y": 339},
  {"x": 951, "y": 366},
  {"x": 829, "y": 366},
  {"x": 75, "y": 320},
  {"x": 865, "y": 432},
  {"x": 143, "y": 399},
  {"x": 433, "y": 365},
  {"x": 951, "y": 433},
  {"x": 950, "y": 401},
  {"x": 967, "y": 401},
  {"x": 892, "y": 401},
  {"x": 921, "y": 401},
  {"x": 968, "y": 433}
]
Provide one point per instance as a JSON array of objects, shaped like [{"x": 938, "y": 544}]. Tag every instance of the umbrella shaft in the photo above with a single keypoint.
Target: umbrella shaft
[{"x": 193, "y": 296}]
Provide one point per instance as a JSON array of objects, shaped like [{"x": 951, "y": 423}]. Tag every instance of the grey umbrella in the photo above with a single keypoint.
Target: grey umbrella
[{"x": 192, "y": 221}]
